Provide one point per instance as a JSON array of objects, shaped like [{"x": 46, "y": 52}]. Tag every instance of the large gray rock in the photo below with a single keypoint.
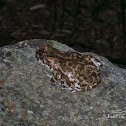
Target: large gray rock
[{"x": 28, "y": 98}]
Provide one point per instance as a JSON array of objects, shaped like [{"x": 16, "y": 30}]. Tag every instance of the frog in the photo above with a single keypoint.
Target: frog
[{"x": 71, "y": 69}]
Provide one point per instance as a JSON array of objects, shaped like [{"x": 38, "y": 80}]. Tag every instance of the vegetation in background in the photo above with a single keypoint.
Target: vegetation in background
[{"x": 97, "y": 26}]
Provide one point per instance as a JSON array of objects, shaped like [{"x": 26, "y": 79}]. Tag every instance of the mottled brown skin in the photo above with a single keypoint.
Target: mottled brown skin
[{"x": 71, "y": 69}]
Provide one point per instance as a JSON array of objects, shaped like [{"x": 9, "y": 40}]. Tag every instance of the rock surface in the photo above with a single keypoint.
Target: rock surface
[{"x": 28, "y": 98}]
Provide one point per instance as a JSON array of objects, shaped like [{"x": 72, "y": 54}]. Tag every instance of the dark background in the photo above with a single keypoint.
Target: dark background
[{"x": 86, "y": 25}]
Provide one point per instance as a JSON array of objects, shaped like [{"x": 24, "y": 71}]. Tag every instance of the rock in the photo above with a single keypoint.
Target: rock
[{"x": 27, "y": 96}]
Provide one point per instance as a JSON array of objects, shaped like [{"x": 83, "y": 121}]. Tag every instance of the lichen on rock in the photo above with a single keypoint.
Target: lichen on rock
[{"x": 27, "y": 96}]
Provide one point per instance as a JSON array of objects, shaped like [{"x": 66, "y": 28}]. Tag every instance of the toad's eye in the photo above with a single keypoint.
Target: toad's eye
[{"x": 41, "y": 56}]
